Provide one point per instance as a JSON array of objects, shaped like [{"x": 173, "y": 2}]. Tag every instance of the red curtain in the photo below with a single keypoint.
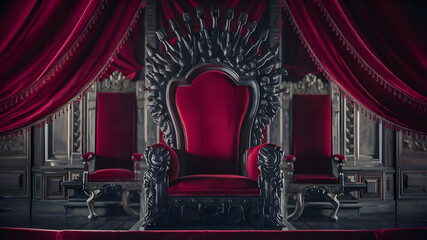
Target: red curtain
[
  {"x": 51, "y": 51},
  {"x": 373, "y": 51}
]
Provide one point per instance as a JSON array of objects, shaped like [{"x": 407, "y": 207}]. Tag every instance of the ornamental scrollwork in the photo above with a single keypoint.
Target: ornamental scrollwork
[
  {"x": 310, "y": 84},
  {"x": 213, "y": 45},
  {"x": 117, "y": 82},
  {"x": 269, "y": 159},
  {"x": 155, "y": 184}
]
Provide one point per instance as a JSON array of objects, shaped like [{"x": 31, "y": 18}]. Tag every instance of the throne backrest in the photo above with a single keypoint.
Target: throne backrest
[
  {"x": 212, "y": 92},
  {"x": 312, "y": 133},
  {"x": 211, "y": 111},
  {"x": 115, "y": 129}
]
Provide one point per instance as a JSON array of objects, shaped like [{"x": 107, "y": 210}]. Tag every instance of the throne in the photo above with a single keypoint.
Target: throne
[
  {"x": 116, "y": 164},
  {"x": 312, "y": 166},
  {"x": 212, "y": 95}
]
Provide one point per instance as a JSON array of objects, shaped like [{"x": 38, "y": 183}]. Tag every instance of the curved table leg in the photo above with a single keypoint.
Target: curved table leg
[
  {"x": 332, "y": 197},
  {"x": 90, "y": 202},
  {"x": 125, "y": 204},
  {"x": 299, "y": 207}
]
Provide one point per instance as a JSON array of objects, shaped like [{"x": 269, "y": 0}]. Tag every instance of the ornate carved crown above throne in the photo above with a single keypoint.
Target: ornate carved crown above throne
[{"x": 212, "y": 94}]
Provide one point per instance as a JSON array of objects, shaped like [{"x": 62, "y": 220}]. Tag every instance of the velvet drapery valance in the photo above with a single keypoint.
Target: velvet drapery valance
[
  {"x": 374, "y": 52},
  {"x": 52, "y": 51}
]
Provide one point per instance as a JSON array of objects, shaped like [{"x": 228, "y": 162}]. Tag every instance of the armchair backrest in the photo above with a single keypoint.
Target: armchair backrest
[
  {"x": 115, "y": 130},
  {"x": 312, "y": 133},
  {"x": 211, "y": 111}
]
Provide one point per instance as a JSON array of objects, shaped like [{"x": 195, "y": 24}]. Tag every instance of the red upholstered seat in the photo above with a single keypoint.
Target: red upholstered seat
[
  {"x": 213, "y": 184},
  {"x": 111, "y": 175},
  {"x": 315, "y": 178}
]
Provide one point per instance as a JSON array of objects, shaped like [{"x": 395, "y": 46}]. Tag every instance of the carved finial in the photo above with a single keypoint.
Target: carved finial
[
  {"x": 116, "y": 82},
  {"x": 201, "y": 16},
  {"x": 229, "y": 15}
]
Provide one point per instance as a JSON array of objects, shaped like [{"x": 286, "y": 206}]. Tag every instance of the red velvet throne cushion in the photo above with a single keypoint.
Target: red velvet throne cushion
[
  {"x": 212, "y": 110},
  {"x": 312, "y": 138}
]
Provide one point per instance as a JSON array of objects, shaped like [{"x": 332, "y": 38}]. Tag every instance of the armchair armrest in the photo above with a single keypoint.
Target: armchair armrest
[
  {"x": 137, "y": 158},
  {"x": 289, "y": 160},
  {"x": 86, "y": 158},
  {"x": 339, "y": 159}
]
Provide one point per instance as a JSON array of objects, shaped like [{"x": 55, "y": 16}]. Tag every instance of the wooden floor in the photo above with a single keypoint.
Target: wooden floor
[{"x": 53, "y": 215}]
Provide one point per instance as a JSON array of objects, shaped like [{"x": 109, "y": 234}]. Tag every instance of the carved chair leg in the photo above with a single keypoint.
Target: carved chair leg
[
  {"x": 90, "y": 202},
  {"x": 299, "y": 207},
  {"x": 125, "y": 204},
  {"x": 332, "y": 197}
]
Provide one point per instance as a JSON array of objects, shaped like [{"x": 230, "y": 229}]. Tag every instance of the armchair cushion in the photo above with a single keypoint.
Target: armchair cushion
[
  {"x": 315, "y": 178},
  {"x": 111, "y": 175},
  {"x": 213, "y": 184}
]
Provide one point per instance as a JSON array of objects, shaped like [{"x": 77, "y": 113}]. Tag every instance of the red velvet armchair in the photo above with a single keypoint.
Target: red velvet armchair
[
  {"x": 115, "y": 163},
  {"x": 312, "y": 166},
  {"x": 211, "y": 94}
]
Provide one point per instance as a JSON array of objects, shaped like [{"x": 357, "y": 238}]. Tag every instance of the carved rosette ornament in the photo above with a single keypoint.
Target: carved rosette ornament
[
  {"x": 311, "y": 84},
  {"x": 213, "y": 45}
]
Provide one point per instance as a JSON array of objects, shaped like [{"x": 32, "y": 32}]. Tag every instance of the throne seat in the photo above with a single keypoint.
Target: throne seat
[{"x": 213, "y": 184}]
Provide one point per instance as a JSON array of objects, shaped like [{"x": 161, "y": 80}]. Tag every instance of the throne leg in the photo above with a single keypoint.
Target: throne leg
[
  {"x": 125, "y": 204},
  {"x": 332, "y": 197},
  {"x": 90, "y": 202},
  {"x": 299, "y": 207}
]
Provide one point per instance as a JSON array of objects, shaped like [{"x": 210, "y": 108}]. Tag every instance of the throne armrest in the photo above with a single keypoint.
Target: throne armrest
[
  {"x": 162, "y": 163},
  {"x": 252, "y": 162},
  {"x": 172, "y": 162}
]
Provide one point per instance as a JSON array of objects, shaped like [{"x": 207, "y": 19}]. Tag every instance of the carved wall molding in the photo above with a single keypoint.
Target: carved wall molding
[
  {"x": 117, "y": 82},
  {"x": 12, "y": 145},
  {"x": 415, "y": 145},
  {"x": 77, "y": 137},
  {"x": 311, "y": 84},
  {"x": 215, "y": 45}
]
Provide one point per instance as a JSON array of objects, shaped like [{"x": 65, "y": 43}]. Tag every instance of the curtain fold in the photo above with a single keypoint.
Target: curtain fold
[
  {"x": 52, "y": 51},
  {"x": 374, "y": 52}
]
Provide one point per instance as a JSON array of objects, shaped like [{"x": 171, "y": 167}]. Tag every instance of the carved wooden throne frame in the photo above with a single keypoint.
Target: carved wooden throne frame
[{"x": 213, "y": 49}]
